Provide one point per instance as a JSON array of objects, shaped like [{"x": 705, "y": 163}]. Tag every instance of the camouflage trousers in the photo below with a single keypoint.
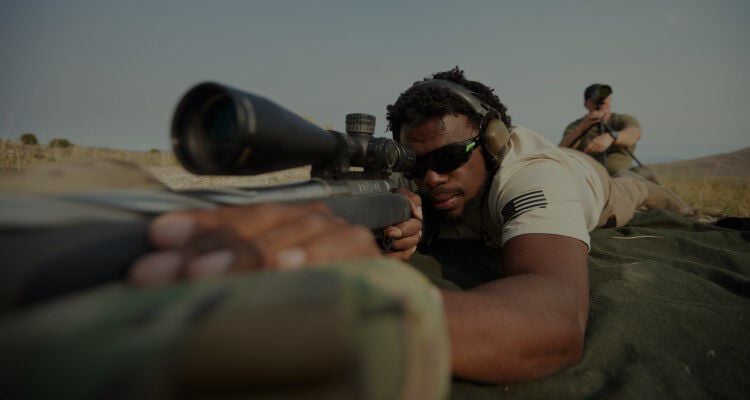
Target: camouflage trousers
[{"x": 372, "y": 329}]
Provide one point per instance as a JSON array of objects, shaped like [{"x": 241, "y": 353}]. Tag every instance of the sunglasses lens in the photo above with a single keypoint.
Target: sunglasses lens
[
  {"x": 448, "y": 161},
  {"x": 443, "y": 160}
]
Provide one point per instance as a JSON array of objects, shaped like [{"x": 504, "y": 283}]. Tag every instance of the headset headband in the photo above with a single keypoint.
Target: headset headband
[
  {"x": 493, "y": 133},
  {"x": 469, "y": 97}
]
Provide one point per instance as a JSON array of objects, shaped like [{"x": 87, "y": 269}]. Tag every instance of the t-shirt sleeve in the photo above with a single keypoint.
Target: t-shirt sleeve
[
  {"x": 571, "y": 126},
  {"x": 541, "y": 197},
  {"x": 624, "y": 121}
]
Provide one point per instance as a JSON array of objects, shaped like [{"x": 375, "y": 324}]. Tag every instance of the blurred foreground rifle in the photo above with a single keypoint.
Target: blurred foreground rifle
[{"x": 57, "y": 244}]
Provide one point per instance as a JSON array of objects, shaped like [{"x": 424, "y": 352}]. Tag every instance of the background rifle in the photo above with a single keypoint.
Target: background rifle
[{"x": 57, "y": 244}]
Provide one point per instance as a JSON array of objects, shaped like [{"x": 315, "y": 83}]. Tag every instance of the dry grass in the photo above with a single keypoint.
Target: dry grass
[
  {"x": 712, "y": 196},
  {"x": 716, "y": 185},
  {"x": 15, "y": 156},
  {"x": 178, "y": 178}
]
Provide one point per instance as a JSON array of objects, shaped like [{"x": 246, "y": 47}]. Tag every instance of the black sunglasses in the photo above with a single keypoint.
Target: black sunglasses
[{"x": 444, "y": 159}]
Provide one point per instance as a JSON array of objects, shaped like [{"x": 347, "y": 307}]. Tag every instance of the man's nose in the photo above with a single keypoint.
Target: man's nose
[{"x": 433, "y": 179}]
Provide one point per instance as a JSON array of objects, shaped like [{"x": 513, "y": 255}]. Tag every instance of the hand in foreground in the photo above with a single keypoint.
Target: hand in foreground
[
  {"x": 599, "y": 144},
  {"x": 203, "y": 243},
  {"x": 407, "y": 234}
]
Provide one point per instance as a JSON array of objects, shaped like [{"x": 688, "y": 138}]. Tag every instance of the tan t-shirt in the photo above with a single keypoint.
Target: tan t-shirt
[
  {"x": 539, "y": 188},
  {"x": 617, "y": 158}
]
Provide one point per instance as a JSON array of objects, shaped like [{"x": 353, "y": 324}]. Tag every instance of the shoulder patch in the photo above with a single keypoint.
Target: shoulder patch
[{"x": 521, "y": 204}]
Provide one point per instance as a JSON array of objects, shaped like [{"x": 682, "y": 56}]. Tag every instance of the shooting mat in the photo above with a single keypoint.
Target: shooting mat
[{"x": 669, "y": 317}]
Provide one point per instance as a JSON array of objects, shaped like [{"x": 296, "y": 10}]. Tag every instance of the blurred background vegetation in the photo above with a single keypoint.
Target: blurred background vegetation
[{"x": 716, "y": 186}]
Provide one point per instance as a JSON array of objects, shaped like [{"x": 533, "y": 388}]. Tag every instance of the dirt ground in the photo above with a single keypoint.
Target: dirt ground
[{"x": 177, "y": 177}]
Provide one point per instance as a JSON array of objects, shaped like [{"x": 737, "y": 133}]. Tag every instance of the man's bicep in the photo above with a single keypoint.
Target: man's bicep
[
  {"x": 544, "y": 254},
  {"x": 562, "y": 260},
  {"x": 624, "y": 121}
]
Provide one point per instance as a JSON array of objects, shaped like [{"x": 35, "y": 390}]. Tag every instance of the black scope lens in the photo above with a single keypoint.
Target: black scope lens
[
  {"x": 216, "y": 136},
  {"x": 219, "y": 130}
]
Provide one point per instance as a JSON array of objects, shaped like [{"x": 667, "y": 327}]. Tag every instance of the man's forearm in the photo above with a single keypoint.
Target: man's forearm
[
  {"x": 505, "y": 331},
  {"x": 571, "y": 137}
]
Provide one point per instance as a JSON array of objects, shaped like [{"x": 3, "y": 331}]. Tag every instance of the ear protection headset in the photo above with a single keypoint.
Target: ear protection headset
[{"x": 493, "y": 133}]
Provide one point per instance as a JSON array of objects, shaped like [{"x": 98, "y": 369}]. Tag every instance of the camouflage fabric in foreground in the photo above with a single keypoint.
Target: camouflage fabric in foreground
[
  {"x": 670, "y": 313},
  {"x": 367, "y": 330}
]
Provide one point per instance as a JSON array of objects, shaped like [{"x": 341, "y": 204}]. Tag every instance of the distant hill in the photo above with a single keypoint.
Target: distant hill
[{"x": 734, "y": 164}]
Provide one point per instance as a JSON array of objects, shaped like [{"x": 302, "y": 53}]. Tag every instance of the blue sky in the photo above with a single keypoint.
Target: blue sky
[{"x": 106, "y": 73}]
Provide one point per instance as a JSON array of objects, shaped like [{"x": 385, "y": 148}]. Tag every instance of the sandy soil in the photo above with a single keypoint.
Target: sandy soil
[{"x": 178, "y": 178}]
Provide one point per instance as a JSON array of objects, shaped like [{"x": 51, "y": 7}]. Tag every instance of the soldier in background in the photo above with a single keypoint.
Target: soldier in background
[{"x": 608, "y": 137}]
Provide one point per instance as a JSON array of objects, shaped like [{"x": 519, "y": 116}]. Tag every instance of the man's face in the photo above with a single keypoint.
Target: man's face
[
  {"x": 450, "y": 192},
  {"x": 605, "y": 106}
]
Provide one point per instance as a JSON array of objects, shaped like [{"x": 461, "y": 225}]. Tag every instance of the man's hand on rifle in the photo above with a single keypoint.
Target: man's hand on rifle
[
  {"x": 590, "y": 119},
  {"x": 203, "y": 243},
  {"x": 572, "y": 138},
  {"x": 407, "y": 234}
]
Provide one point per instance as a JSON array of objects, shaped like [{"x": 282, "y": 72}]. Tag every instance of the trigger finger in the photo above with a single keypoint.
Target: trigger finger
[
  {"x": 410, "y": 228},
  {"x": 405, "y": 243},
  {"x": 340, "y": 244}
]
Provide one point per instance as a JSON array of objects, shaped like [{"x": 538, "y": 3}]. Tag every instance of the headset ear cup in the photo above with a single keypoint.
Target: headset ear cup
[{"x": 496, "y": 137}]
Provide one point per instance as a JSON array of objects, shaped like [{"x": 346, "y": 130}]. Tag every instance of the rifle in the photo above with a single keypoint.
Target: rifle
[{"x": 58, "y": 244}]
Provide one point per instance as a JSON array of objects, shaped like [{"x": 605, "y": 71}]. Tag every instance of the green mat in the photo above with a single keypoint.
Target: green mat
[{"x": 670, "y": 313}]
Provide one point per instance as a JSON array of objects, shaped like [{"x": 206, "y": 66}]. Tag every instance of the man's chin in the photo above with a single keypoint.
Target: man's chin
[
  {"x": 450, "y": 209},
  {"x": 455, "y": 212},
  {"x": 453, "y": 216}
]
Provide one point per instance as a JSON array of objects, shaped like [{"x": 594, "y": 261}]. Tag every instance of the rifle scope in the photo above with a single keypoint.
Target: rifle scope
[{"x": 220, "y": 130}]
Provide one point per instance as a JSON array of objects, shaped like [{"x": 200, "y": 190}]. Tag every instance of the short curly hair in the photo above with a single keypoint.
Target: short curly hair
[{"x": 419, "y": 103}]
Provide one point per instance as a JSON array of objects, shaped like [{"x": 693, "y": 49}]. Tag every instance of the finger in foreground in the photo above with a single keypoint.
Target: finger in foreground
[
  {"x": 406, "y": 243},
  {"x": 404, "y": 255},
  {"x": 207, "y": 254},
  {"x": 170, "y": 266},
  {"x": 409, "y": 227},
  {"x": 348, "y": 242},
  {"x": 156, "y": 268},
  {"x": 313, "y": 244},
  {"x": 249, "y": 222},
  {"x": 179, "y": 228},
  {"x": 312, "y": 226},
  {"x": 222, "y": 251}
]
